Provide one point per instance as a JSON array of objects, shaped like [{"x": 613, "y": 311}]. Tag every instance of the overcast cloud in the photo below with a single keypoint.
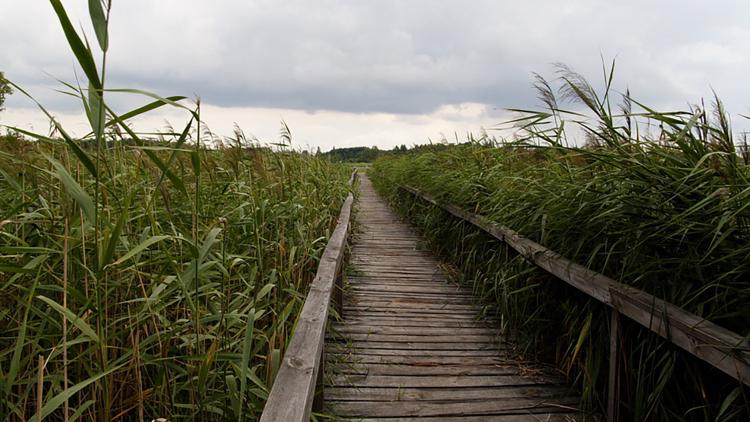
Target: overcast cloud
[{"x": 380, "y": 72}]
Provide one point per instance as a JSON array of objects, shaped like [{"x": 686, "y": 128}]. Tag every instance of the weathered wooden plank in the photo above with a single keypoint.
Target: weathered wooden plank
[
  {"x": 380, "y": 262},
  {"x": 430, "y": 288},
  {"x": 406, "y": 338},
  {"x": 374, "y": 295},
  {"x": 414, "y": 331},
  {"x": 352, "y": 349},
  {"x": 440, "y": 281},
  {"x": 400, "y": 273},
  {"x": 406, "y": 288},
  {"x": 377, "y": 276},
  {"x": 422, "y": 345},
  {"x": 443, "y": 408},
  {"x": 401, "y": 303},
  {"x": 403, "y": 287},
  {"x": 467, "y": 393},
  {"x": 429, "y": 321},
  {"x": 412, "y": 316},
  {"x": 355, "y": 358},
  {"x": 551, "y": 417},
  {"x": 346, "y": 368},
  {"x": 396, "y": 310},
  {"x": 442, "y": 381},
  {"x": 409, "y": 303},
  {"x": 362, "y": 298},
  {"x": 725, "y": 350}
]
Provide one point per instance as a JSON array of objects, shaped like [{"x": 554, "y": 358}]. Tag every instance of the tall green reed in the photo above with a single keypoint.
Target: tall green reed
[
  {"x": 657, "y": 200},
  {"x": 154, "y": 277}
]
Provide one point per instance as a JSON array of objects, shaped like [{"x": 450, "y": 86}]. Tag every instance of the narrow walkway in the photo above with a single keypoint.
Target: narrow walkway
[{"x": 411, "y": 346}]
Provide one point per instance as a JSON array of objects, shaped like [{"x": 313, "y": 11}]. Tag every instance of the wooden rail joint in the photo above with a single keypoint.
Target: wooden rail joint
[
  {"x": 293, "y": 392},
  {"x": 719, "y": 347}
]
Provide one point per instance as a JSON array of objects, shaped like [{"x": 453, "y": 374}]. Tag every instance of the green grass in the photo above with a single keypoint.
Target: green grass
[
  {"x": 143, "y": 278},
  {"x": 667, "y": 213},
  {"x": 192, "y": 327}
]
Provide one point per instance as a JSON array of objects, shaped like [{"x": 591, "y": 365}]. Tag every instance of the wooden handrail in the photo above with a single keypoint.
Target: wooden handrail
[
  {"x": 723, "y": 349},
  {"x": 292, "y": 395}
]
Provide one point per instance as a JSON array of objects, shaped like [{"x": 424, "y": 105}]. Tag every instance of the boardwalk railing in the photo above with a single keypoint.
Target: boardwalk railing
[
  {"x": 293, "y": 392},
  {"x": 723, "y": 349}
]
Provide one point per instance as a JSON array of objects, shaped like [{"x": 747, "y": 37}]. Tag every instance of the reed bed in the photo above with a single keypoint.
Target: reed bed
[
  {"x": 151, "y": 276},
  {"x": 660, "y": 201},
  {"x": 159, "y": 324}
]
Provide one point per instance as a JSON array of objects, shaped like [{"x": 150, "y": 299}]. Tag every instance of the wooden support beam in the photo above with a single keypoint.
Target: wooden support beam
[
  {"x": 613, "y": 392},
  {"x": 319, "y": 398},
  {"x": 338, "y": 295}
]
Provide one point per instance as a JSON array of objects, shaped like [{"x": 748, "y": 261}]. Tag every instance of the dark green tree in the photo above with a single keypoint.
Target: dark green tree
[{"x": 5, "y": 90}]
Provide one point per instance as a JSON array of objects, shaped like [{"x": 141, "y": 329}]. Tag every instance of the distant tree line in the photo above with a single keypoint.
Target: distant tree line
[{"x": 360, "y": 154}]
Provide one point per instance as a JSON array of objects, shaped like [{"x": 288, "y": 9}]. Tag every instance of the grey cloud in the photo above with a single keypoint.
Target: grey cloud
[{"x": 391, "y": 56}]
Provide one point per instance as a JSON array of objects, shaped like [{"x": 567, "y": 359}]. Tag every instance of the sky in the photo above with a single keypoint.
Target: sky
[{"x": 375, "y": 73}]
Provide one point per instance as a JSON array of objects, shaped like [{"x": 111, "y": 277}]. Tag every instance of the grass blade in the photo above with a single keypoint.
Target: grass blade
[
  {"x": 99, "y": 20},
  {"x": 73, "y": 318},
  {"x": 82, "y": 54},
  {"x": 75, "y": 190}
]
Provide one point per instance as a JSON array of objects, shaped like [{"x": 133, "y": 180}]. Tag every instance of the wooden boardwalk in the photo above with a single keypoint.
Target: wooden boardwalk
[{"x": 412, "y": 347}]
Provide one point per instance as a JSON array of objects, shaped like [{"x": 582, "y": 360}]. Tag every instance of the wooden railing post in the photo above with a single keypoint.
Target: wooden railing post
[
  {"x": 338, "y": 294},
  {"x": 613, "y": 392},
  {"x": 319, "y": 383}
]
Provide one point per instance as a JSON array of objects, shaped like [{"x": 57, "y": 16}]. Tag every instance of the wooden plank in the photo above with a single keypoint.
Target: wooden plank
[
  {"x": 390, "y": 321},
  {"x": 347, "y": 368},
  {"x": 411, "y": 304},
  {"x": 468, "y": 393},
  {"x": 723, "y": 349},
  {"x": 409, "y": 317},
  {"x": 443, "y": 408},
  {"x": 360, "y": 298},
  {"x": 439, "y": 280},
  {"x": 414, "y": 330},
  {"x": 412, "y": 316},
  {"x": 353, "y": 349},
  {"x": 405, "y": 288},
  {"x": 355, "y": 358},
  {"x": 422, "y": 345},
  {"x": 396, "y": 310},
  {"x": 380, "y": 263},
  {"x": 442, "y": 381},
  {"x": 359, "y": 293},
  {"x": 374, "y": 295},
  {"x": 438, "y": 338},
  {"x": 551, "y": 417}
]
